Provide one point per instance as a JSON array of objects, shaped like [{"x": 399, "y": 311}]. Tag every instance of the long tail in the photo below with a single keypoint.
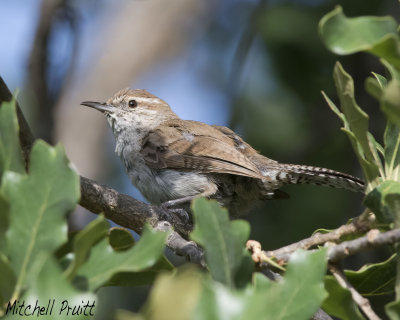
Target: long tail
[{"x": 294, "y": 174}]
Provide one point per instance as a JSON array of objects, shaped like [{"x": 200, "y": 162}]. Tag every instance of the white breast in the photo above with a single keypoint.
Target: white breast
[{"x": 158, "y": 186}]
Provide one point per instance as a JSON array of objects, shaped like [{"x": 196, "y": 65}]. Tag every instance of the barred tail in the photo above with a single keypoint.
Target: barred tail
[{"x": 294, "y": 174}]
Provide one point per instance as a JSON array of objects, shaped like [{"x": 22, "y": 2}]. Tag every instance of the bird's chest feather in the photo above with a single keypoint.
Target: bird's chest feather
[{"x": 160, "y": 185}]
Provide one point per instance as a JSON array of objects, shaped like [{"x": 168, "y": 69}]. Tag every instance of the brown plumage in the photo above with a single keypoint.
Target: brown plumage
[{"x": 170, "y": 159}]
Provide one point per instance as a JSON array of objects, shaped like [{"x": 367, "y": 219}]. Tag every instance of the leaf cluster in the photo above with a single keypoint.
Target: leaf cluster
[
  {"x": 38, "y": 259},
  {"x": 380, "y": 162}
]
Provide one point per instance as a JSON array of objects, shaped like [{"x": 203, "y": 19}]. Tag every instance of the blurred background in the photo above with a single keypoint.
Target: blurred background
[{"x": 255, "y": 66}]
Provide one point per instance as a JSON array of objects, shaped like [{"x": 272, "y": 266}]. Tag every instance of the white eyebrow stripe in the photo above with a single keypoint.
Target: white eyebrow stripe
[{"x": 148, "y": 100}]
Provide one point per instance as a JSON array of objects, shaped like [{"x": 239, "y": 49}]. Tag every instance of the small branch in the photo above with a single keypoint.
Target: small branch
[
  {"x": 362, "y": 302},
  {"x": 120, "y": 208},
  {"x": 356, "y": 226},
  {"x": 373, "y": 239}
]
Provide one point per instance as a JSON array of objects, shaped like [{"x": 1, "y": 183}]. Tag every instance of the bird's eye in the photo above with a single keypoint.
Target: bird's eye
[{"x": 132, "y": 103}]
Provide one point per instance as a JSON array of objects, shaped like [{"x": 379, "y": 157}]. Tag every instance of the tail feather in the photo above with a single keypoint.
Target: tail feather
[{"x": 296, "y": 174}]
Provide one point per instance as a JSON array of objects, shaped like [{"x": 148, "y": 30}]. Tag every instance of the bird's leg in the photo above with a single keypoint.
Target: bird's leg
[
  {"x": 181, "y": 213},
  {"x": 172, "y": 203}
]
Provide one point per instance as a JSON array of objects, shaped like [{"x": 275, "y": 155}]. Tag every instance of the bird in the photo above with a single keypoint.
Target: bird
[{"x": 171, "y": 161}]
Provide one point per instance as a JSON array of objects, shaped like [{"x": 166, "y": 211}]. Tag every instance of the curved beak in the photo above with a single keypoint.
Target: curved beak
[{"x": 103, "y": 107}]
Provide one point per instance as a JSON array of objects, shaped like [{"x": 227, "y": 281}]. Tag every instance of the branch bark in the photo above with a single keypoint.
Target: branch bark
[
  {"x": 372, "y": 239},
  {"x": 120, "y": 208},
  {"x": 356, "y": 226}
]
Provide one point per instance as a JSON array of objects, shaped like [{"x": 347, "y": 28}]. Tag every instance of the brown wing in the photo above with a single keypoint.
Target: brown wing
[{"x": 190, "y": 145}]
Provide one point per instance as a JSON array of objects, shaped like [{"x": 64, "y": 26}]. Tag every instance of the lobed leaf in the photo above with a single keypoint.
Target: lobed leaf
[
  {"x": 339, "y": 302},
  {"x": 7, "y": 280},
  {"x": 104, "y": 262},
  {"x": 84, "y": 241},
  {"x": 374, "y": 279},
  {"x": 355, "y": 122},
  {"x": 377, "y": 35},
  {"x": 120, "y": 239},
  {"x": 50, "y": 284},
  {"x": 297, "y": 295},
  {"x": 141, "y": 278},
  {"x": 190, "y": 294},
  {"x": 223, "y": 240},
  {"x": 38, "y": 204},
  {"x": 175, "y": 296}
]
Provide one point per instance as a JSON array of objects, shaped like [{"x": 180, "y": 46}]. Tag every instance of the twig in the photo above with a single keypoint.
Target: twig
[
  {"x": 355, "y": 226},
  {"x": 120, "y": 208},
  {"x": 362, "y": 302},
  {"x": 373, "y": 239}
]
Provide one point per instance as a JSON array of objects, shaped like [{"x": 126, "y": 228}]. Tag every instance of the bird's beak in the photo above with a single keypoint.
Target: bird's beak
[{"x": 103, "y": 107}]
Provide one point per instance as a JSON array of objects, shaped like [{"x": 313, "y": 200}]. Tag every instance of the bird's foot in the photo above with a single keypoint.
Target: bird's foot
[{"x": 178, "y": 212}]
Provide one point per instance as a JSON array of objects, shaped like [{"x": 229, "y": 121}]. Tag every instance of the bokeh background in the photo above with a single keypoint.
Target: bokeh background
[{"x": 255, "y": 66}]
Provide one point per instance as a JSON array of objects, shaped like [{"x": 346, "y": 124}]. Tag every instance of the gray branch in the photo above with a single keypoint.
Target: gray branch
[
  {"x": 336, "y": 252},
  {"x": 120, "y": 208},
  {"x": 358, "y": 225}
]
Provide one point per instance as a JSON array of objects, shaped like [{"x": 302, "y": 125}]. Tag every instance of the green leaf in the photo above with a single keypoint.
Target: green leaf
[
  {"x": 339, "y": 302},
  {"x": 140, "y": 278},
  {"x": 374, "y": 279},
  {"x": 392, "y": 151},
  {"x": 355, "y": 116},
  {"x": 370, "y": 169},
  {"x": 355, "y": 122},
  {"x": 377, "y": 35},
  {"x": 10, "y": 156},
  {"x": 39, "y": 203},
  {"x": 4, "y": 220},
  {"x": 10, "y": 151},
  {"x": 190, "y": 294},
  {"x": 376, "y": 85},
  {"x": 84, "y": 241},
  {"x": 393, "y": 310},
  {"x": 299, "y": 294},
  {"x": 104, "y": 262},
  {"x": 390, "y": 102},
  {"x": 223, "y": 240},
  {"x": 175, "y": 297},
  {"x": 394, "y": 73},
  {"x": 50, "y": 284},
  {"x": 373, "y": 87},
  {"x": 121, "y": 239},
  {"x": 7, "y": 280},
  {"x": 127, "y": 315},
  {"x": 384, "y": 201},
  {"x": 381, "y": 80}
]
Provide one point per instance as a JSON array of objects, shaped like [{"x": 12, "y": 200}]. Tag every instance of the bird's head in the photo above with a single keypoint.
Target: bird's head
[{"x": 135, "y": 108}]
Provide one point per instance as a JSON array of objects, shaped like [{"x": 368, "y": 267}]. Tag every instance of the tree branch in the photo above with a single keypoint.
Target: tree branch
[
  {"x": 356, "y": 226},
  {"x": 120, "y": 208},
  {"x": 372, "y": 239}
]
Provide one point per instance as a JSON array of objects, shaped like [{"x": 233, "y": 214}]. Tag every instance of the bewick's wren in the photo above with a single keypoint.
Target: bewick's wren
[{"x": 172, "y": 160}]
